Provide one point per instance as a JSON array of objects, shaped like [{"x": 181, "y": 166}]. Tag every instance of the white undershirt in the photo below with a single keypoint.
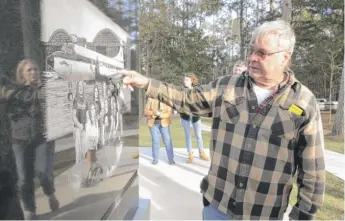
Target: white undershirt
[{"x": 261, "y": 93}]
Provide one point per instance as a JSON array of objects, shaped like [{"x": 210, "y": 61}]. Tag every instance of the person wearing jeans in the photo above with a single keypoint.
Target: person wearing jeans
[
  {"x": 211, "y": 212},
  {"x": 32, "y": 160},
  {"x": 30, "y": 146},
  {"x": 191, "y": 81},
  {"x": 11, "y": 95},
  {"x": 159, "y": 119}
]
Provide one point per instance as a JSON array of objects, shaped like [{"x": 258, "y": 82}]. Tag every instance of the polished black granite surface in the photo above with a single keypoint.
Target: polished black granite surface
[{"x": 68, "y": 151}]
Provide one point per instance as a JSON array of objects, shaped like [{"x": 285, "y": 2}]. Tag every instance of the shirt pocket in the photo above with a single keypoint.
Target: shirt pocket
[
  {"x": 229, "y": 109},
  {"x": 285, "y": 124}
]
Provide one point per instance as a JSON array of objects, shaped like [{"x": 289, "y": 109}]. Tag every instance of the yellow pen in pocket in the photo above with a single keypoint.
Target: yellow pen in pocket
[{"x": 296, "y": 110}]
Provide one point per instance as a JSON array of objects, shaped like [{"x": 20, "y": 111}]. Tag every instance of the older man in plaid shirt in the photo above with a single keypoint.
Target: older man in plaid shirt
[{"x": 266, "y": 128}]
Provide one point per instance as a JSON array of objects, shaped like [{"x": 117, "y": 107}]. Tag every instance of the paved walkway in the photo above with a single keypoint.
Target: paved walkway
[
  {"x": 174, "y": 190},
  {"x": 335, "y": 162},
  {"x": 165, "y": 184}
]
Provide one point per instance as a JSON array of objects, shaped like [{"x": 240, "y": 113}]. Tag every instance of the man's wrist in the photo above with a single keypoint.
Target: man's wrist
[
  {"x": 297, "y": 214},
  {"x": 147, "y": 84},
  {"x": 152, "y": 88}
]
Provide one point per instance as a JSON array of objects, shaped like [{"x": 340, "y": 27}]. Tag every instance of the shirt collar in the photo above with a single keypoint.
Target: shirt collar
[{"x": 289, "y": 80}]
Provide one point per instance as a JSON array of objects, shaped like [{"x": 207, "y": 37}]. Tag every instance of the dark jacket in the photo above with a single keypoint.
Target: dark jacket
[
  {"x": 10, "y": 95},
  {"x": 187, "y": 117},
  {"x": 27, "y": 120}
]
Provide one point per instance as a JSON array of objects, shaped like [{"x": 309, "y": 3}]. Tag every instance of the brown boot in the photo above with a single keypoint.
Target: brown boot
[
  {"x": 135, "y": 155},
  {"x": 190, "y": 157},
  {"x": 203, "y": 156}
]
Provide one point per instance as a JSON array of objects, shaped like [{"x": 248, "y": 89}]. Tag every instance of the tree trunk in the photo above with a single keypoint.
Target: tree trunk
[
  {"x": 271, "y": 7},
  {"x": 257, "y": 13},
  {"x": 242, "y": 42},
  {"x": 287, "y": 10},
  {"x": 338, "y": 126},
  {"x": 330, "y": 97}
]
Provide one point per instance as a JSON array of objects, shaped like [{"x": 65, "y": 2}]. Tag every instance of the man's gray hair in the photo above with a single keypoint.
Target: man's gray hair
[
  {"x": 280, "y": 28},
  {"x": 240, "y": 64}
]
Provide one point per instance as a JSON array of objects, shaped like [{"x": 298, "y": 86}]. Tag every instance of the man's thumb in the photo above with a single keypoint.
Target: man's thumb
[{"x": 128, "y": 80}]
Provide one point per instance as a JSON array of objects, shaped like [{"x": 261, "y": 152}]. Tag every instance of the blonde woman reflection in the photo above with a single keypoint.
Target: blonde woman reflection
[{"x": 29, "y": 145}]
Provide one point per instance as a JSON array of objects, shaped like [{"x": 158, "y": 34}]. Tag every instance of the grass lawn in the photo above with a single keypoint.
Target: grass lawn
[
  {"x": 333, "y": 205},
  {"x": 177, "y": 135},
  {"x": 178, "y": 138},
  {"x": 335, "y": 144}
]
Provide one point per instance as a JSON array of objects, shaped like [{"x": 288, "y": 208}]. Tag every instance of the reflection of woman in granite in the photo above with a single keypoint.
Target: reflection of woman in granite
[
  {"x": 10, "y": 94},
  {"x": 113, "y": 121},
  {"x": 92, "y": 137},
  {"x": 99, "y": 111},
  {"x": 79, "y": 119},
  {"x": 96, "y": 99},
  {"x": 92, "y": 134},
  {"x": 106, "y": 120},
  {"x": 29, "y": 145},
  {"x": 103, "y": 97},
  {"x": 120, "y": 107}
]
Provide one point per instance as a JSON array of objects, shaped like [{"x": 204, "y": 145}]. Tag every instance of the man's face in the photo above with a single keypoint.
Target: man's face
[
  {"x": 187, "y": 82},
  {"x": 263, "y": 66},
  {"x": 239, "y": 69}
]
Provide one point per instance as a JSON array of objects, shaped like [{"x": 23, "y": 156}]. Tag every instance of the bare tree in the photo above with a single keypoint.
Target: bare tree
[
  {"x": 330, "y": 69},
  {"x": 271, "y": 7},
  {"x": 287, "y": 10},
  {"x": 242, "y": 34},
  {"x": 338, "y": 126}
]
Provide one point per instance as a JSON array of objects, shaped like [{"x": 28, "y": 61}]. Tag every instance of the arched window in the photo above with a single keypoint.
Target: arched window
[
  {"x": 59, "y": 38},
  {"x": 107, "y": 43}
]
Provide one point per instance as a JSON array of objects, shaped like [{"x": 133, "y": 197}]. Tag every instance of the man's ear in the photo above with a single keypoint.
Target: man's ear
[{"x": 287, "y": 58}]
